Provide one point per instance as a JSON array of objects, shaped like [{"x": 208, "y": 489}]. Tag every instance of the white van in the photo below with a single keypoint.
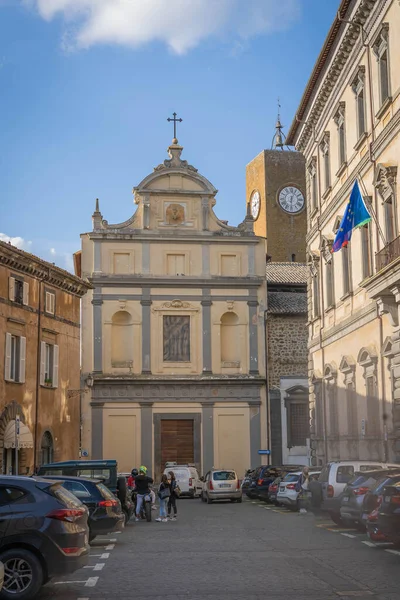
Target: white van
[{"x": 187, "y": 478}]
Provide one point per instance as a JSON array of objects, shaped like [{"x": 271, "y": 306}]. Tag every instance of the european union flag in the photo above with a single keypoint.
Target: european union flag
[{"x": 355, "y": 215}]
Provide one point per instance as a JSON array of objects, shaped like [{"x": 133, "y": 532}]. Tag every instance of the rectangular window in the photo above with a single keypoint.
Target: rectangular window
[
  {"x": 18, "y": 291},
  {"x": 351, "y": 409},
  {"x": 176, "y": 338},
  {"x": 15, "y": 355},
  {"x": 373, "y": 416},
  {"x": 50, "y": 307},
  {"x": 346, "y": 270},
  {"x": 389, "y": 220},
  {"x": 342, "y": 144},
  {"x": 229, "y": 265},
  {"x": 327, "y": 168},
  {"x": 121, "y": 263},
  {"x": 366, "y": 253},
  {"x": 314, "y": 191},
  {"x": 384, "y": 76},
  {"x": 49, "y": 364},
  {"x": 330, "y": 286},
  {"x": 360, "y": 112},
  {"x": 176, "y": 264},
  {"x": 315, "y": 296},
  {"x": 299, "y": 423}
]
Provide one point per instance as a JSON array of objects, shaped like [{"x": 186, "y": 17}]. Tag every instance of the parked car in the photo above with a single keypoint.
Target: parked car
[
  {"x": 384, "y": 522},
  {"x": 221, "y": 484},
  {"x": 352, "y": 497},
  {"x": 44, "y": 533},
  {"x": 374, "y": 496},
  {"x": 103, "y": 470},
  {"x": 287, "y": 494},
  {"x": 334, "y": 478},
  {"x": 273, "y": 490},
  {"x": 264, "y": 476},
  {"x": 105, "y": 511},
  {"x": 187, "y": 478},
  {"x": 247, "y": 479}
]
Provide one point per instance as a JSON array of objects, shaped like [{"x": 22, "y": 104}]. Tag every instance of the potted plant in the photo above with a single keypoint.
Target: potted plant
[{"x": 48, "y": 382}]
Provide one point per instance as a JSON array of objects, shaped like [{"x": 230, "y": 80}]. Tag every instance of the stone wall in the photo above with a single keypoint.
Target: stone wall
[{"x": 287, "y": 347}]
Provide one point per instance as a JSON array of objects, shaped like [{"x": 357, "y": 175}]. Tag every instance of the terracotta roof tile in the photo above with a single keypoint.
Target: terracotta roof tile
[
  {"x": 287, "y": 303},
  {"x": 286, "y": 272}
]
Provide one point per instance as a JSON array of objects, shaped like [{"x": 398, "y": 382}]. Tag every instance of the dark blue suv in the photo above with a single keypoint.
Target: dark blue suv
[{"x": 264, "y": 476}]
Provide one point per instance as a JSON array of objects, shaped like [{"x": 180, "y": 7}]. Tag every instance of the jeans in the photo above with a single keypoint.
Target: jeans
[
  {"x": 172, "y": 504},
  {"x": 139, "y": 502},
  {"x": 163, "y": 507}
]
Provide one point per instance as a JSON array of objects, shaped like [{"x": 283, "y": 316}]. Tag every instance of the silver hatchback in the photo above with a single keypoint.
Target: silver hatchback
[{"x": 221, "y": 484}]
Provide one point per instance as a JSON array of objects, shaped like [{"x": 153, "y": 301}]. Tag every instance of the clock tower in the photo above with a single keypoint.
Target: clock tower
[{"x": 276, "y": 190}]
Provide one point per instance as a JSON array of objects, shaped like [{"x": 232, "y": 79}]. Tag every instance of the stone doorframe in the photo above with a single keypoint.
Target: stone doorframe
[
  {"x": 195, "y": 417},
  {"x": 8, "y": 414}
]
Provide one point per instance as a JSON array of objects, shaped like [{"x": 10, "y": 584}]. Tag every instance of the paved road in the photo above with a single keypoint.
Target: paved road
[{"x": 247, "y": 551}]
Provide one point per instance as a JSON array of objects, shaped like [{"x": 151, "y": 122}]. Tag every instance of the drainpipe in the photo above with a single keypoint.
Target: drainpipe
[{"x": 38, "y": 366}]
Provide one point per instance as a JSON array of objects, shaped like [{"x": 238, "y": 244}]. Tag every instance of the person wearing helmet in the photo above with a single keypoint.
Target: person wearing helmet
[
  {"x": 142, "y": 482},
  {"x": 132, "y": 477}
]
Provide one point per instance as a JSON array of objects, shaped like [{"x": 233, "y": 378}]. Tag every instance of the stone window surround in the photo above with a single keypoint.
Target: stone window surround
[
  {"x": 348, "y": 368},
  {"x": 312, "y": 171},
  {"x": 358, "y": 86},
  {"x": 295, "y": 395},
  {"x": 368, "y": 359},
  {"x": 379, "y": 46},
  {"x": 325, "y": 151},
  {"x": 330, "y": 380},
  {"x": 340, "y": 120}
]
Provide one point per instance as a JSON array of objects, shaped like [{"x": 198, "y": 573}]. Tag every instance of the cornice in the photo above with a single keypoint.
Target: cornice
[
  {"x": 176, "y": 282},
  {"x": 201, "y": 237},
  {"x": 18, "y": 260}
]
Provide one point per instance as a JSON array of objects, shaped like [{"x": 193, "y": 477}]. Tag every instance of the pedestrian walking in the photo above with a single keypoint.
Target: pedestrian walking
[
  {"x": 174, "y": 494},
  {"x": 164, "y": 493},
  {"x": 303, "y": 488}
]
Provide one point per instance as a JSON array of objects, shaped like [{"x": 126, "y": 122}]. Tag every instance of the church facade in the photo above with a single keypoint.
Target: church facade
[{"x": 173, "y": 330}]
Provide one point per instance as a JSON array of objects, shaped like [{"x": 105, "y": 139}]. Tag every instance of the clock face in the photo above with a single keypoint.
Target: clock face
[
  {"x": 291, "y": 199},
  {"x": 255, "y": 202}
]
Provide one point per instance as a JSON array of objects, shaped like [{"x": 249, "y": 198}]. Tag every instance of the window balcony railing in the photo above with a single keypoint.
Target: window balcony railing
[{"x": 388, "y": 254}]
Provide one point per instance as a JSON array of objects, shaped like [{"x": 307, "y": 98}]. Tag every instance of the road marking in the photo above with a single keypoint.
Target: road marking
[
  {"x": 96, "y": 567},
  {"x": 64, "y": 582},
  {"x": 91, "y": 582},
  {"x": 393, "y": 551},
  {"x": 356, "y": 593},
  {"x": 109, "y": 547},
  {"x": 349, "y": 535},
  {"x": 370, "y": 544},
  {"x": 83, "y": 599},
  {"x": 108, "y": 541}
]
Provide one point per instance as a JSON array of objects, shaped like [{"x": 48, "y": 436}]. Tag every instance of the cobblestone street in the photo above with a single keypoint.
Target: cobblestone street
[{"x": 234, "y": 551}]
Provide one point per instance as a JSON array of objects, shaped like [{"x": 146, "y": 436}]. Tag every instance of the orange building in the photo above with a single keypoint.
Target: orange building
[{"x": 39, "y": 361}]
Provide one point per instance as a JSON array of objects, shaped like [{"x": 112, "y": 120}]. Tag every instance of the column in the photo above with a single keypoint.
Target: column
[
  {"x": 206, "y": 317},
  {"x": 145, "y": 258},
  {"x": 97, "y": 332},
  {"x": 97, "y": 256},
  {"x": 255, "y": 433},
  {"x": 97, "y": 430},
  {"x": 205, "y": 249},
  {"x": 208, "y": 436},
  {"x": 252, "y": 263},
  {"x": 253, "y": 334},
  {"x": 146, "y": 340},
  {"x": 146, "y": 434}
]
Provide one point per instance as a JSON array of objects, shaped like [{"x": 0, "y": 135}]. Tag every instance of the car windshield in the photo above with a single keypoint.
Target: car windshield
[
  {"x": 291, "y": 477},
  {"x": 224, "y": 476},
  {"x": 105, "y": 492},
  {"x": 65, "y": 497}
]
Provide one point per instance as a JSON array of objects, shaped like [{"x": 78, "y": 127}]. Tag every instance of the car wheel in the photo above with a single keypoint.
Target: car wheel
[
  {"x": 122, "y": 490},
  {"x": 147, "y": 511},
  {"x": 336, "y": 518},
  {"x": 126, "y": 517},
  {"x": 23, "y": 574},
  {"x": 209, "y": 501}
]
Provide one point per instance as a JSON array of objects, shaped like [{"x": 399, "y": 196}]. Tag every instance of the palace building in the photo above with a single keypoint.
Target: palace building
[
  {"x": 173, "y": 331},
  {"x": 348, "y": 128}
]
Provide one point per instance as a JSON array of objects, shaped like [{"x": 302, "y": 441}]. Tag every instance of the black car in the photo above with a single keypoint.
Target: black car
[
  {"x": 264, "y": 476},
  {"x": 374, "y": 496},
  {"x": 105, "y": 512},
  {"x": 43, "y": 533},
  {"x": 387, "y": 521}
]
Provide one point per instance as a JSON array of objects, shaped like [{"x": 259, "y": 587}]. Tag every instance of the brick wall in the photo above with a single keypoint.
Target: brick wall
[{"x": 287, "y": 347}]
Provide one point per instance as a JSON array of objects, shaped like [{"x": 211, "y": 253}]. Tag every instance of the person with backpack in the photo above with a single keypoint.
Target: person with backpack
[
  {"x": 174, "y": 494},
  {"x": 142, "y": 482},
  {"x": 164, "y": 494}
]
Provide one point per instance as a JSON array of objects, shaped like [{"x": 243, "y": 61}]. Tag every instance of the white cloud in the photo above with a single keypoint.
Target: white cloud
[
  {"x": 180, "y": 24},
  {"x": 53, "y": 251},
  {"x": 17, "y": 241}
]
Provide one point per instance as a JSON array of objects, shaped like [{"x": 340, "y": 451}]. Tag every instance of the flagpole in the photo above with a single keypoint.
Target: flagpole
[{"x": 372, "y": 211}]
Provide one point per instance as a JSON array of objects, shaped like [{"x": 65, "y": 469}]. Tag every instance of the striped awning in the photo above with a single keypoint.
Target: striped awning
[{"x": 25, "y": 438}]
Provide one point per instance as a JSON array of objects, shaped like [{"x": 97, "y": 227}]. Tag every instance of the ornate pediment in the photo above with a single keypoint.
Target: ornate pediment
[
  {"x": 385, "y": 181},
  {"x": 174, "y": 160},
  {"x": 347, "y": 364},
  {"x": 313, "y": 262},
  {"x": 387, "y": 347},
  {"x": 326, "y": 247},
  {"x": 367, "y": 356},
  {"x": 330, "y": 372},
  {"x": 178, "y": 305}
]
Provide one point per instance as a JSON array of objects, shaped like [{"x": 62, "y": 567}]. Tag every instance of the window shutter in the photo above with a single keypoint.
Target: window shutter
[
  {"x": 26, "y": 294},
  {"x": 22, "y": 359},
  {"x": 42, "y": 361},
  {"x": 55, "y": 366},
  {"x": 7, "y": 366},
  {"x": 11, "y": 289}
]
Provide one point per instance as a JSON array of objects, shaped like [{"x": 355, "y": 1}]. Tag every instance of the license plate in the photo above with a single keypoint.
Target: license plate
[
  {"x": 386, "y": 499},
  {"x": 345, "y": 498},
  {"x": 224, "y": 485},
  {"x": 282, "y": 489}
]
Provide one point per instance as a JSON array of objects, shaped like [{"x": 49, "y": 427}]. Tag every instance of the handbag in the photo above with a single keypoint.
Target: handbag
[
  {"x": 165, "y": 493},
  {"x": 177, "y": 491}
]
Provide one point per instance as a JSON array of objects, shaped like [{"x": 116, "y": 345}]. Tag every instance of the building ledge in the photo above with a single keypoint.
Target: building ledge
[
  {"x": 341, "y": 169},
  {"x": 384, "y": 107},
  {"x": 361, "y": 140},
  {"x": 326, "y": 193},
  {"x": 329, "y": 308},
  {"x": 346, "y": 296}
]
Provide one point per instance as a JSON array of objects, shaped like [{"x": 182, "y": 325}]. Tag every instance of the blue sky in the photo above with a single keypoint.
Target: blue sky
[{"x": 87, "y": 86}]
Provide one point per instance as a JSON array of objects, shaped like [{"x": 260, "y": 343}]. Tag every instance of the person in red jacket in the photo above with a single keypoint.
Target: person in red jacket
[{"x": 132, "y": 477}]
